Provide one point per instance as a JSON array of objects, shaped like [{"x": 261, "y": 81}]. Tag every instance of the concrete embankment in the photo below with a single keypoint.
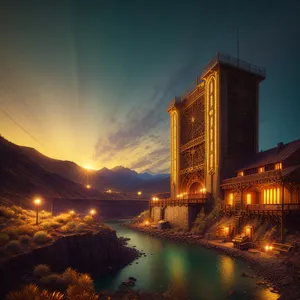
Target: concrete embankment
[
  {"x": 95, "y": 253},
  {"x": 277, "y": 271}
]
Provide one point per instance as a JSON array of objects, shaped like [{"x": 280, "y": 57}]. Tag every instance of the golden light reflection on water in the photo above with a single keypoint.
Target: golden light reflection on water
[
  {"x": 178, "y": 268},
  {"x": 226, "y": 269},
  {"x": 266, "y": 294}
]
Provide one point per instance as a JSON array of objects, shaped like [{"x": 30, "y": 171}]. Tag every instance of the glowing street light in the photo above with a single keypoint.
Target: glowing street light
[
  {"x": 72, "y": 212},
  {"x": 37, "y": 203},
  {"x": 147, "y": 223},
  {"x": 88, "y": 186},
  {"x": 139, "y": 194},
  {"x": 92, "y": 212}
]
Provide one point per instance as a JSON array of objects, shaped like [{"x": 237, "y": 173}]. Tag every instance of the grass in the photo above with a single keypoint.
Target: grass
[
  {"x": 19, "y": 232},
  {"x": 72, "y": 285}
]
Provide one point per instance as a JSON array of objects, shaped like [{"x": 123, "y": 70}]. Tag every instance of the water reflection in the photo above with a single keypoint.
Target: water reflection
[
  {"x": 226, "y": 265},
  {"x": 202, "y": 273},
  {"x": 177, "y": 265}
]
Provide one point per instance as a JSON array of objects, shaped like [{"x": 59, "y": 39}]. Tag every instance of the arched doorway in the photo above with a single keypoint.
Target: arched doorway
[{"x": 195, "y": 188}]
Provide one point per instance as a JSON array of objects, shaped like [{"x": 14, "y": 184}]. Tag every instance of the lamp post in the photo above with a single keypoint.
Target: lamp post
[
  {"x": 92, "y": 212},
  {"x": 72, "y": 213},
  {"x": 88, "y": 186},
  {"x": 37, "y": 203},
  {"x": 139, "y": 194}
]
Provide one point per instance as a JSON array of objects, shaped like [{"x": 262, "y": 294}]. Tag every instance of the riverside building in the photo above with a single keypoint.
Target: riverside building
[{"x": 214, "y": 150}]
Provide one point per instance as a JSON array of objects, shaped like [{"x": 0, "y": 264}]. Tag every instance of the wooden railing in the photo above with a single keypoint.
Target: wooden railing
[
  {"x": 272, "y": 207},
  {"x": 225, "y": 208},
  {"x": 187, "y": 199}
]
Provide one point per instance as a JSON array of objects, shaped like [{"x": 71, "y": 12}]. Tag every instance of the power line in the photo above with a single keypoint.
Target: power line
[{"x": 21, "y": 127}]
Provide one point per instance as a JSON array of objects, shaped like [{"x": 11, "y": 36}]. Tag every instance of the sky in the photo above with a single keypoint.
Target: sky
[{"x": 89, "y": 81}]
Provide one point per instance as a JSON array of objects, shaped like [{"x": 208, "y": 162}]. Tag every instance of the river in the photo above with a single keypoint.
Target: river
[{"x": 200, "y": 273}]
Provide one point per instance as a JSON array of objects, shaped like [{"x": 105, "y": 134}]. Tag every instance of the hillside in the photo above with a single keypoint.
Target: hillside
[
  {"x": 117, "y": 179},
  {"x": 21, "y": 179}
]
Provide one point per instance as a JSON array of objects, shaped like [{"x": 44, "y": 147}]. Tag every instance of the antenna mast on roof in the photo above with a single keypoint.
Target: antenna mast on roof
[{"x": 238, "y": 46}]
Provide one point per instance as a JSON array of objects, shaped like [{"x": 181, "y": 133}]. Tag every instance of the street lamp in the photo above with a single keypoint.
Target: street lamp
[
  {"x": 72, "y": 212},
  {"x": 139, "y": 194},
  {"x": 92, "y": 212},
  {"x": 37, "y": 203},
  {"x": 88, "y": 186}
]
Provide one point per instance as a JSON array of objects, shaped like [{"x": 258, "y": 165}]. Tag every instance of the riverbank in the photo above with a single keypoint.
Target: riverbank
[{"x": 277, "y": 271}]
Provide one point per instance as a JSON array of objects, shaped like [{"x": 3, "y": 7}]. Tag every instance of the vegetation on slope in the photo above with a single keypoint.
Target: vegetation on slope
[{"x": 19, "y": 232}]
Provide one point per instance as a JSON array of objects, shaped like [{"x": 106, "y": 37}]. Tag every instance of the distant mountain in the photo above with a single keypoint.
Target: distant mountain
[
  {"x": 119, "y": 178},
  {"x": 22, "y": 178}
]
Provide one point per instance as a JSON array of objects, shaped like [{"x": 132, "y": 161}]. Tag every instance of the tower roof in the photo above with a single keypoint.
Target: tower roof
[{"x": 228, "y": 60}]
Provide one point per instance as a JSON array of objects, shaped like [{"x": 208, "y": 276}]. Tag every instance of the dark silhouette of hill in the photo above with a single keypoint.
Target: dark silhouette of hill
[
  {"x": 21, "y": 178},
  {"x": 118, "y": 179}
]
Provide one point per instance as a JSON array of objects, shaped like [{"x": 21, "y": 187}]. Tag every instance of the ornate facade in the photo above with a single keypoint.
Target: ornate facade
[
  {"x": 213, "y": 125},
  {"x": 214, "y": 147}
]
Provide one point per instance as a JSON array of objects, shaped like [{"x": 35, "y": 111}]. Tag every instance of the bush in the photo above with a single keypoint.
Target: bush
[
  {"x": 32, "y": 292},
  {"x": 69, "y": 227},
  {"x": 50, "y": 281},
  {"x": 41, "y": 270},
  {"x": 41, "y": 237},
  {"x": 12, "y": 232},
  {"x": 89, "y": 219},
  {"x": 70, "y": 276},
  {"x": 17, "y": 209},
  {"x": 48, "y": 225},
  {"x": 62, "y": 218},
  {"x": 81, "y": 227},
  {"x": 45, "y": 214},
  {"x": 25, "y": 239},
  {"x": 4, "y": 238},
  {"x": 13, "y": 246},
  {"x": 6, "y": 212},
  {"x": 27, "y": 229},
  {"x": 82, "y": 289}
]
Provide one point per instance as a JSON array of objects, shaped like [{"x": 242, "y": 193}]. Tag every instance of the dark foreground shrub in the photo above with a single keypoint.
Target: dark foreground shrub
[
  {"x": 41, "y": 270},
  {"x": 25, "y": 239},
  {"x": 13, "y": 247},
  {"x": 4, "y": 238}
]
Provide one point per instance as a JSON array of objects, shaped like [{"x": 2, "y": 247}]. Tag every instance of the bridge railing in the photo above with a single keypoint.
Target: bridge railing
[{"x": 183, "y": 200}]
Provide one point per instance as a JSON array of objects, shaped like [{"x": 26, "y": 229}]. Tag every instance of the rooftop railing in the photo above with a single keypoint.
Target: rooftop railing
[{"x": 232, "y": 61}]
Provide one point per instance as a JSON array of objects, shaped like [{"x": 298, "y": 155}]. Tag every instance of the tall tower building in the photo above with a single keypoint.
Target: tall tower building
[{"x": 214, "y": 126}]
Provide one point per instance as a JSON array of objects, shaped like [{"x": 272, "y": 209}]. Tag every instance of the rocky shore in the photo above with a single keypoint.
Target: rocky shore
[
  {"x": 93, "y": 252},
  {"x": 277, "y": 271}
]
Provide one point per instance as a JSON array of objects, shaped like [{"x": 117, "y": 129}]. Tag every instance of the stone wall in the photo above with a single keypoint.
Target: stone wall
[
  {"x": 156, "y": 213},
  {"x": 177, "y": 216}
]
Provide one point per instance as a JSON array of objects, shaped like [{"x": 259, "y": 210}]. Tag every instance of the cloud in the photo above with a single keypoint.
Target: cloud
[{"x": 143, "y": 133}]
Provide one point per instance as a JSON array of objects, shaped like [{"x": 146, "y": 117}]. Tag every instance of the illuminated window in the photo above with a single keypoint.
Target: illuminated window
[
  {"x": 278, "y": 166},
  {"x": 248, "y": 199},
  {"x": 272, "y": 196},
  {"x": 241, "y": 173},
  {"x": 261, "y": 169},
  {"x": 231, "y": 199}
]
